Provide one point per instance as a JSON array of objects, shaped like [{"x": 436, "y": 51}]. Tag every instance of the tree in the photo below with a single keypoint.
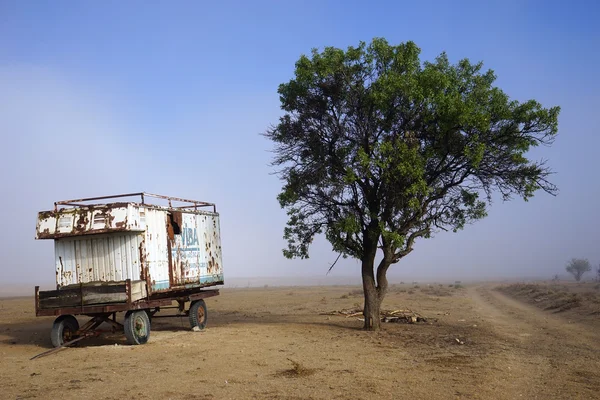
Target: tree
[
  {"x": 598, "y": 273},
  {"x": 377, "y": 150},
  {"x": 577, "y": 267}
]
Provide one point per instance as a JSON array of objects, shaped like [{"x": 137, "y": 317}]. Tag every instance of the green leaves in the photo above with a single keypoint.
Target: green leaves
[
  {"x": 299, "y": 233},
  {"x": 377, "y": 148}
]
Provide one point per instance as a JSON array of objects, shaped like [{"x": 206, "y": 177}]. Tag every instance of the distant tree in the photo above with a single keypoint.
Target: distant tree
[
  {"x": 577, "y": 267},
  {"x": 598, "y": 273},
  {"x": 377, "y": 149}
]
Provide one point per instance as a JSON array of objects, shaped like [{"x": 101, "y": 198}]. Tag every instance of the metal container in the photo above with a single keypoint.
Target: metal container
[{"x": 168, "y": 247}]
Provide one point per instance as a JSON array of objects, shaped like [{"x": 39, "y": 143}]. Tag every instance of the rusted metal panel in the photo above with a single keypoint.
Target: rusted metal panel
[
  {"x": 88, "y": 220},
  {"x": 171, "y": 248},
  {"x": 186, "y": 252},
  {"x": 99, "y": 258},
  {"x": 188, "y": 295},
  {"x": 214, "y": 256},
  {"x": 92, "y": 294},
  {"x": 107, "y": 308},
  {"x": 196, "y": 250},
  {"x": 156, "y": 256}
]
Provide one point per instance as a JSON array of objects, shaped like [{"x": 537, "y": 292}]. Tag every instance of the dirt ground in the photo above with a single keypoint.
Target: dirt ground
[
  {"x": 580, "y": 300},
  {"x": 273, "y": 343}
]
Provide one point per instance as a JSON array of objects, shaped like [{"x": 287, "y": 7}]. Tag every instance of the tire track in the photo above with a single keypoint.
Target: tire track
[{"x": 552, "y": 357}]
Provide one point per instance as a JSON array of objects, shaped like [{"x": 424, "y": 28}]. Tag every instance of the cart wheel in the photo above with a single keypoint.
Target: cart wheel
[
  {"x": 198, "y": 314},
  {"x": 137, "y": 327},
  {"x": 64, "y": 330}
]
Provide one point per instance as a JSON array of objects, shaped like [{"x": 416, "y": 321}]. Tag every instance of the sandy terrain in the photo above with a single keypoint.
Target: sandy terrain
[{"x": 272, "y": 343}]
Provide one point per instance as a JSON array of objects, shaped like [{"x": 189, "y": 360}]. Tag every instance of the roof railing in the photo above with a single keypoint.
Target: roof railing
[{"x": 195, "y": 204}]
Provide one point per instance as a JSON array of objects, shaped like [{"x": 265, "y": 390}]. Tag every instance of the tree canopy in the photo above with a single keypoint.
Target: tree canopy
[
  {"x": 377, "y": 149},
  {"x": 577, "y": 267}
]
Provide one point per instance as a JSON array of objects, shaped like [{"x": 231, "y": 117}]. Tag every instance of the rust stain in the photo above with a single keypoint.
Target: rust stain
[
  {"x": 170, "y": 261},
  {"x": 143, "y": 268},
  {"x": 81, "y": 223},
  {"x": 43, "y": 235},
  {"x": 61, "y": 269},
  {"x": 79, "y": 275},
  {"x": 170, "y": 232},
  {"x": 173, "y": 224},
  {"x": 181, "y": 264},
  {"x": 121, "y": 224},
  {"x": 46, "y": 214},
  {"x": 177, "y": 218},
  {"x": 109, "y": 218}
]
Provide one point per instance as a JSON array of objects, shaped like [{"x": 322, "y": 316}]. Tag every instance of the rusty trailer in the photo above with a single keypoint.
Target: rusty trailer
[{"x": 137, "y": 257}]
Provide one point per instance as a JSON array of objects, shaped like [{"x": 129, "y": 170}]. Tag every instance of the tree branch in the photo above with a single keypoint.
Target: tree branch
[{"x": 332, "y": 265}]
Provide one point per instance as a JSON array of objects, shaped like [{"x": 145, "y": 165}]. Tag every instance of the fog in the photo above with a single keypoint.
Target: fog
[{"x": 172, "y": 100}]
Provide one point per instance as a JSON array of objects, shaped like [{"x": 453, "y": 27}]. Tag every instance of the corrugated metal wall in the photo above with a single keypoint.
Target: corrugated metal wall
[
  {"x": 194, "y": 258},
  {"x": 112, "y": 257}
]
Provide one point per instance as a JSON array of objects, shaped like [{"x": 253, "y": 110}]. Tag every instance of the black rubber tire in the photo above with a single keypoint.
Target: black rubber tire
[
  {"x": 198, "y": 314},
  {"x": 63, "y": 330},
  {"x": 137, "y": 327}
]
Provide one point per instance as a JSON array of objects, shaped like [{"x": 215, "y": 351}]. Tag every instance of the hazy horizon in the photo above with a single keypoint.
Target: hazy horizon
[
  {"x": 171, "y": 99},
  {"x": 19, "y": 289}
]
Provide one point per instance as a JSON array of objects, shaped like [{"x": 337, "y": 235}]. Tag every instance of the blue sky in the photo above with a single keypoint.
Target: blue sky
[{"x": 171, "y": 97}]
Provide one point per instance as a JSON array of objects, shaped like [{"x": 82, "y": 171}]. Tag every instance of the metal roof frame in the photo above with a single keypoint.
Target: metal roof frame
[{"x": 195, "y": 204}]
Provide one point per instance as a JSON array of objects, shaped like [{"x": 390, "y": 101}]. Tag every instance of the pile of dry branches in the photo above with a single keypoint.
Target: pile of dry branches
[{"x": 397, "y": 316}]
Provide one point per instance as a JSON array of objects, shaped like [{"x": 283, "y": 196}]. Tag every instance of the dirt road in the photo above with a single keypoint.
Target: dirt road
[
  {"x": 550, "y": 357},
  {"x": 273, "y": 343}
]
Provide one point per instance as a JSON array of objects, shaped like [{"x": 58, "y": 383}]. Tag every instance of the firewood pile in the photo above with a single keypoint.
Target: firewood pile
[{"x": 394, "y": 316}]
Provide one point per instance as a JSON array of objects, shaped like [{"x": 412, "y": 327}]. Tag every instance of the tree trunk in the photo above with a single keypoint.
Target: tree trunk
[
  {"x": 372, "y": 300},
  {"x": 374, "y": 290}
]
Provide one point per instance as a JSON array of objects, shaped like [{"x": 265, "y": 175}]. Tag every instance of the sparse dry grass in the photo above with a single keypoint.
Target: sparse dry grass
[
  {"x": 436, "y": 291},
  {"x": 555, "y": 297}
]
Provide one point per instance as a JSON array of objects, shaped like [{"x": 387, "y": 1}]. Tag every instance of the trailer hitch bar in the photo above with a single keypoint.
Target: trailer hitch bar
[{"x": 65, "y": 344}]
